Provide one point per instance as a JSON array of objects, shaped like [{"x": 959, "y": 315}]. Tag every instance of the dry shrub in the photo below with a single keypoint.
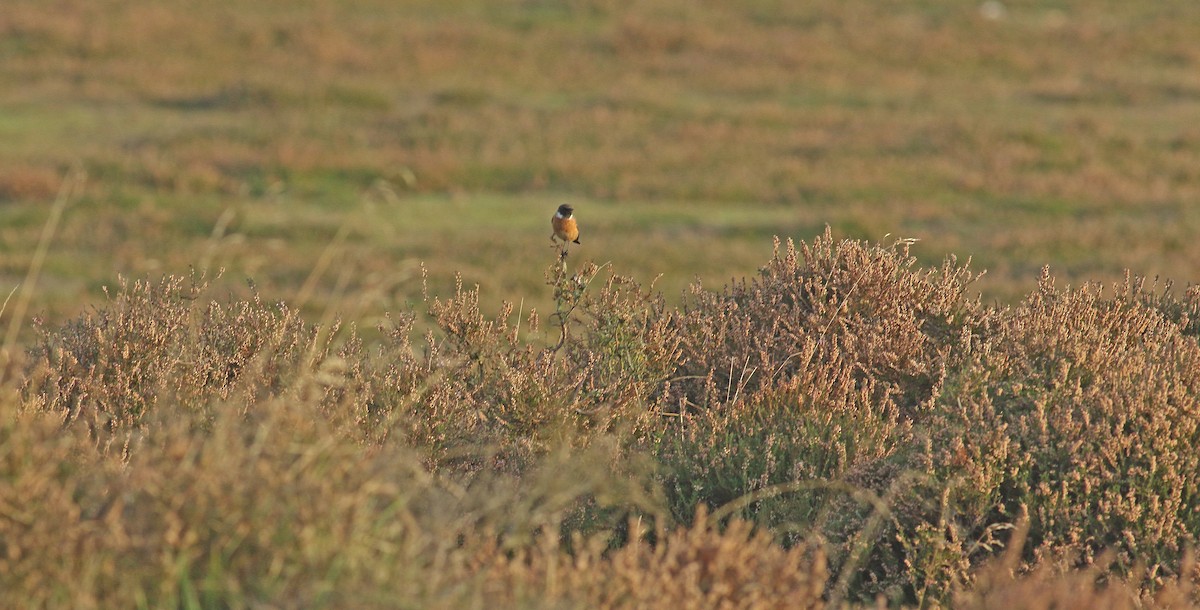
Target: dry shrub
[
  {"x": 626, "y": 346},
  {"x": 999, "y": 584},
  {"x": 44, "y": 530},
  {"x": 817, "y": 426},
  {"x": 1047, "y": 590},
  {"x": 1084, "y": 410},
  {"x": 275, "y": 507},
  {"x": 689, "y": 568},
  {"x": 842, "y": 302},
  {"x": 165, "y": 341},
  {"x": 476, "y": 390},
  {"x": 282, "y": 506},
  {"x": 841, "y": 365},
  {"x": 1183, "y": 310},
  {"x": 847, "y": 407},
  {"x": 479, "y": 393},
  {"x": 816, "y": 371}
]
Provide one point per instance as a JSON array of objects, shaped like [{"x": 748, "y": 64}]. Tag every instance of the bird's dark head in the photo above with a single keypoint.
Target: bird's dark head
[{"x": 565, "y": 210}]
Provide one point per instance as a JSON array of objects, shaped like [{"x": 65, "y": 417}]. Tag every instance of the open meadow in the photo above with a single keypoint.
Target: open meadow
[{"x": 283, "y": 326}]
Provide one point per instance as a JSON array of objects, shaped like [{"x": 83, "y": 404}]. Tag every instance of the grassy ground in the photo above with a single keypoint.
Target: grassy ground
[{"x": 1061, "y": 133}]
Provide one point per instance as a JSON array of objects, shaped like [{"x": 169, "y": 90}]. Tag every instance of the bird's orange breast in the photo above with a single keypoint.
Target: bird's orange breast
[{"x": 565, "y": 228}]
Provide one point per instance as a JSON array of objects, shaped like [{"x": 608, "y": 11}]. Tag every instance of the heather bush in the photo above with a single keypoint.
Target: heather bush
[
  {"x": 841, "y": 370},
  {"x": 1082, "y": 410},
  {"x": 165, "y": 341},
  {"x": 276, "y": 507},
  {"x": 1183, "y": 311},
  {"x": 802, "y": 388},
  {"x": 477, "y": 394},
  {"x": 816, "y": 426},
  {"x": 1002, "y": 583},
  {"x": 845, "y": 427},
  {"x": 843, "y": 302},
  {"x": 701, "y": 566},
  {"x": 627, "y": 347},
  {"x": 480, "y": 393}
]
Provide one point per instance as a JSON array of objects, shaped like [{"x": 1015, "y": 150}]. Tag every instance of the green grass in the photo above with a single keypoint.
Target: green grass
[{"x": 1062, "y": 134}]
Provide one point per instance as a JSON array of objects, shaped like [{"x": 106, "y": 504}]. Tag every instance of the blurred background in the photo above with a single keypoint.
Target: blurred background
[{"x": 325, "y": 149}]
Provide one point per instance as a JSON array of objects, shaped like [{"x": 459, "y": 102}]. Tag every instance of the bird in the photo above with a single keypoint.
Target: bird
[{"x": 564, "y": 225}]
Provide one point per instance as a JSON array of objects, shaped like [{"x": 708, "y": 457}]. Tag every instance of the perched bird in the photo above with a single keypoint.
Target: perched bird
[{"x": 564, "y": 225}]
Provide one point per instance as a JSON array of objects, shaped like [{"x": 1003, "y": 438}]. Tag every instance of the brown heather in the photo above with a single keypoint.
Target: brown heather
[
  {"x": 159, "y": 341},
  {"x": 1083, "y": 409},
  {"x": 844, "y": 428}
]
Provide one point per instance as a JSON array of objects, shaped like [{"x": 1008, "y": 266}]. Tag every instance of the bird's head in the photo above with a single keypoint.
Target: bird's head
[{"x": 565, "y": 210}]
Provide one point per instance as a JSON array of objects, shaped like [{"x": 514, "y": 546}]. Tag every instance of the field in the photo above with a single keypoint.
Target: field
[{"x": 256, "y": 254}]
